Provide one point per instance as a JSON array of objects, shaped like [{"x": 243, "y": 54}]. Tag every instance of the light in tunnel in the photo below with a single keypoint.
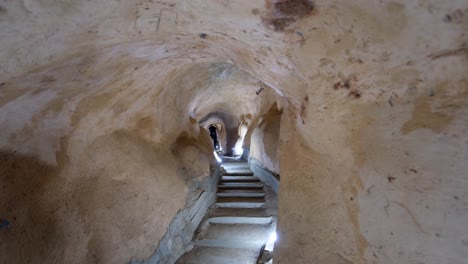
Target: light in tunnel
[
  {"x": 270, "y": 244},
  {"x": 238, "y": 150},
  {"x": 217, "y": 157},
  {"x": 272, "y": 238}
]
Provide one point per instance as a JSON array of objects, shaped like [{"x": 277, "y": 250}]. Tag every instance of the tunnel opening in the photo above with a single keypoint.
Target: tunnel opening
[
  {"x": 101, "y": 103},
  {"x": 244, "y": 215},
  {"x": 142, "y": 139},
  {"x": 214, "y": 137},
  {"x": 243, "y": 127},
  {"x": 221, "y": 126}
]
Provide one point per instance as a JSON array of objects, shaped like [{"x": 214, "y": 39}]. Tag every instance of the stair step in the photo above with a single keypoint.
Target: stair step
[
  {"x": 237, "y": 163},
  {"x": 224, "y": 190},
  {"x": 237, "y": 168},
  {"x": 240, "y": 199},
  {"x": 240, "y": 205},
  {"x": 240, "y": 194},
  {"x": 241, "y": 244},
  {"x": 216, "y": 255},
  {"x": 239, "y": 178},
  {"x": 239, "y": 225},
  {"x": 238, "y": 232},
  {"x": 243, "y": 165},
  {"x": 241, "y": 220},
  {"x": 244, "y": 212},
  {"x": 238, "y": 173},
  {"x": 230, "y": 160},
  {"x": 247, "y": 185}
]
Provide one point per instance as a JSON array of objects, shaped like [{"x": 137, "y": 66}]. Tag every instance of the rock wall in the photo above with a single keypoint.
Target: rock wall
[
  {"x": 180, "y": 233},
  {"x": 268, "y": 177},
  {"x": 95, "y": 169},
  {"x": 373, "y": 162},
  {"x": 100, "y": 104},
  {"x": 265, "y": 138}
]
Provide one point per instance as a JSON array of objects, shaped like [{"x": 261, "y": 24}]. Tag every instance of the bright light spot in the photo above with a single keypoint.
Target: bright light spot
[
  {"x": 238, "y": 150},
  {"x": 272, "y": 238},
  {"x": 270, "y": 244},
  {"x": 217, "y": 157}
]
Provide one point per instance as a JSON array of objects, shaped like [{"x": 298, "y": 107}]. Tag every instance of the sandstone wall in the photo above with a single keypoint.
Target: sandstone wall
[{"x": 100, "y": 103}]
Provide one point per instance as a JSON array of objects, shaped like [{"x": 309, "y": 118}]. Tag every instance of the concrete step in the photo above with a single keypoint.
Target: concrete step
[
  {"x": 238, "y": 173},
  {"x": 241, "y": 220},
  {"x": 243, "y": 166},
  {"x": 236, "y": 167},
  {"x": 236, "y": 185},
  {"x": 236, "y": 199},
  {"x": 246, "y": 236},
  {"x": 238, "y": 232},
  {"x": 240, "y": 205},
  {"x": 244, "y": 212},
  {"x": 240, "y": 194},
  {"x": 216, "y": 255},
  {"x": 228, "y": 160},
  {"x": 235, "y": 164},
  {"x": 226, "y": 190},
  {"x": 241, "y": 244},
  {"x": 239, "y": 179},
  {"x": 239, "y": 225}
]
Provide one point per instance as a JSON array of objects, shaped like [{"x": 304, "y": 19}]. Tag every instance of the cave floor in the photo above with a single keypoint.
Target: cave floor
[{"x": 241, "y": 221}]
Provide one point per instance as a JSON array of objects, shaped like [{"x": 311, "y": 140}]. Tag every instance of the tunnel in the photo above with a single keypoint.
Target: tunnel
[
  {"x": 214, "y": 136},
  {"x": 221, "y": 132}
]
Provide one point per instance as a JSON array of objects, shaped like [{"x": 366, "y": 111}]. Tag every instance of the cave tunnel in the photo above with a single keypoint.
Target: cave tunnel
[
  {"x": 277, "y": 131},
  {"x": 214, "y": 136}
]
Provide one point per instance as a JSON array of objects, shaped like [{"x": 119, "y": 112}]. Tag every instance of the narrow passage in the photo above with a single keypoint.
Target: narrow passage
[{"x": 240, "y": 228}]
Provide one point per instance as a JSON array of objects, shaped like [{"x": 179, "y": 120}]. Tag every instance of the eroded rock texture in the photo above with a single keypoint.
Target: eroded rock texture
[{"x": 361, "y": 106}]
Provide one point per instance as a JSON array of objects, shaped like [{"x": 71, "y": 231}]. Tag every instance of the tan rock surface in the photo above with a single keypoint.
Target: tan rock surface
[{"x": 100, "y": 103}]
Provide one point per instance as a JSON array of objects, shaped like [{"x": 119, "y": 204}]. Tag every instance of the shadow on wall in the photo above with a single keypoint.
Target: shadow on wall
[
  {"x": 264, "y": 139},
  {"x": 120, "y": 198},
  {"x": 34, "y": 233},
  {"x": 108, "y": 208},
  {"x": 197, "y": 162}
]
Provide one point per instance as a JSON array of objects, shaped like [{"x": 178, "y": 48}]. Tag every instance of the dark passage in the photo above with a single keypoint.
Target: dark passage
[{"x": 214, "y": 137}]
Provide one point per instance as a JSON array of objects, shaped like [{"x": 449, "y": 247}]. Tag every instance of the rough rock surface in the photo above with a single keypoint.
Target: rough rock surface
[{"x": 100, "y": 103}]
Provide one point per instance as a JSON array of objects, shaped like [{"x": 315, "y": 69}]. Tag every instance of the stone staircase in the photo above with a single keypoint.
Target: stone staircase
[{"x": 239, "y": 224}]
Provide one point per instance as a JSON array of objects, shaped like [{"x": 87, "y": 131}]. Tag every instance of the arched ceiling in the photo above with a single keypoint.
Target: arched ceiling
[{"x": 369, "y": 90}]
